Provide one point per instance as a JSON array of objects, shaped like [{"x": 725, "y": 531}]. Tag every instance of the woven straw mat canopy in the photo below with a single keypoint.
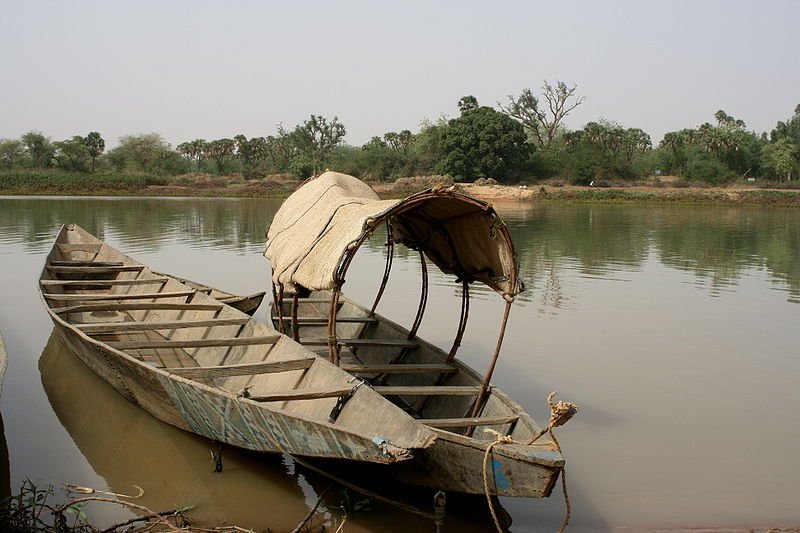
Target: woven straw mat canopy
[{"x": 323, "y": 223}]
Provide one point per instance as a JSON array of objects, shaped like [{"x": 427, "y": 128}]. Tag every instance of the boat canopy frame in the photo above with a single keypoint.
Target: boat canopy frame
[{"x": 438, "y": 223}]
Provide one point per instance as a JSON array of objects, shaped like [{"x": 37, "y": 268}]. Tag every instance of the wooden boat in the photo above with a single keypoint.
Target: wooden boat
[
  {"x": 245, "y": 304},
  {"x": 311, "y": 242},
  {"x": 203, "y": 366}
]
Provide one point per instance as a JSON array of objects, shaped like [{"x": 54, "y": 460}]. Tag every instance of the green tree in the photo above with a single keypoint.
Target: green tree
[
  {"x": 400, "y": 142},
  {"x": 219, "y": 150},
  {"x": 483, "y": 142},
  {"x": 252, "y": 153},
  {"x": 144, "y": 152},
  {"x": 543, "y": 120},
  {"x": 780, "y": 158},
  {"x": 789, "y": 130},
  {"x": 603, "y": 150},
  {"x": 39, "y": 148},
  {"x": 96, "y": 145},
  {"x": 195, "y": 150},
  {"x": 12, "y": 152},
  {"x": 316, "y": 138},
  {"x": 73, "y": 154}
]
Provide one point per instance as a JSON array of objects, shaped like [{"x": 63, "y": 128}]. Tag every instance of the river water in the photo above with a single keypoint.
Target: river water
[{"x": 674, "y": 328}]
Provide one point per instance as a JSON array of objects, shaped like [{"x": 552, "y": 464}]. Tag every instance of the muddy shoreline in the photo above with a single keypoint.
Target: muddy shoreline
[{"x": 730, "y": 196}]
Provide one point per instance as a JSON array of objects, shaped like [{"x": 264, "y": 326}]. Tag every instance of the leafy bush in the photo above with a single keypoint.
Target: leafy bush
[{"x": 703, "y": 167}]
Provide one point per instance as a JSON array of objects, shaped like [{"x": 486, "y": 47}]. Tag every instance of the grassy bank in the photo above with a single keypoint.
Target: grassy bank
[
  {"x": 54, "y": 182},
  {"x": 58, "y": 183},
  {"x": 709, "y": 196}
]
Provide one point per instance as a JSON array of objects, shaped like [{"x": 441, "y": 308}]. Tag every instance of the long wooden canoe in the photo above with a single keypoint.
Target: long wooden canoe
[
  {"x": 205, "y": 367},
  {"x": 313, "y": 239},
  {"x": 417, "y": 376}
]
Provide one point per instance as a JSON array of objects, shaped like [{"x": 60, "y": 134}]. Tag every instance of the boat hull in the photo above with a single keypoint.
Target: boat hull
[{"x": 220, "y": 417}]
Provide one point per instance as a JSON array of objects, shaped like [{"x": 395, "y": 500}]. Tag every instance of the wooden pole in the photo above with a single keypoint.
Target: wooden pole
[{"x": 488, "y": 377}]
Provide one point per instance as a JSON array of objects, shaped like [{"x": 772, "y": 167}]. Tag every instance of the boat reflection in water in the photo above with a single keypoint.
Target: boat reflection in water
[
  {"x": 5, "y": 471},
  {"x": 128, "y": 447}
]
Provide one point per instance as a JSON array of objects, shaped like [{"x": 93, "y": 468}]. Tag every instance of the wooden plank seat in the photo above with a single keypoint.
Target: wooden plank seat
[
  {"x": 402, "y": 343},
  {"x": 243, "y": 369},
  {"x": 132, "y": 296},
  {"x": 79, "y": 247},
  {"x": 92, "y": 269},
  {"x": 141, "y": 306},
  {"x": 194, "y": 343},
  {"x": 427, "y": 390},
  {"x": 74, "y": 262},
  {"x": 313, "y": 300},
  {"x": 303, "y": 394},
  {"x": 312, "y": 321},
  {"x": 400, "y": 368},
  {"x": 103, "y": 283},
  {"x": 469, "y": 422},
  {"x": 110, "y": 327}
]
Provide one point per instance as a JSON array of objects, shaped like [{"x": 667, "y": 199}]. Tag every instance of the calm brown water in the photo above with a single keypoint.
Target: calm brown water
[{"x": 675, "y": 330}]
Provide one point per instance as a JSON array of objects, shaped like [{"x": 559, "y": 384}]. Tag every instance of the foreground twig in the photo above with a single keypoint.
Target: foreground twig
[
  {"x": 312, "y": 512},
  {"x": 173, "y": 512},
  {"x": 60, "y": 510}
]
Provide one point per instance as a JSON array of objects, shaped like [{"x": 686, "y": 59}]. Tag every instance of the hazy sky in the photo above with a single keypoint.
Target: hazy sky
[{"x": 192, "y": 69}]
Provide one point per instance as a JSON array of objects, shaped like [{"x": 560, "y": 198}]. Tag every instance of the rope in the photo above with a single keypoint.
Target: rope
[
  {"x": 499, "y": 439},
  {"x": 560, "y": 413}
]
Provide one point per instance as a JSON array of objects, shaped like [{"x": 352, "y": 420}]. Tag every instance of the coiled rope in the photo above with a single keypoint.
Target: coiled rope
[{"x": 560, "y": 412}]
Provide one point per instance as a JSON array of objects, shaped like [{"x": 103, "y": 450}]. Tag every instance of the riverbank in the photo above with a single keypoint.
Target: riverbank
[
  {"x": 638, "y": 194},
  {"x": 201, "y": 185}
]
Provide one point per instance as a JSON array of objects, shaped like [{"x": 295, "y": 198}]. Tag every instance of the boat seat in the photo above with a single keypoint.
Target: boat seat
[
  {"x": 313, "y": 321},
  {"x": 111, "y": 327},
  {"x": 243, "y": 369},
  {"x": 427, "y": 390},
  {"x": 402, "y": 343},
  {"x": 313, "y": 393},
  {"x": 75, "y": 262},
  {"x": 194, "y": 343},
  {"x": 93, "y": 269},
  {"x": 399, "y": 368},
  {"x": 120, "y": 296},
  {"x": 469, "y": 422}
]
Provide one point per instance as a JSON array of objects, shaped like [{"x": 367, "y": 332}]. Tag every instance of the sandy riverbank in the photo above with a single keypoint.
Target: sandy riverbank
[{"x": 633, "y": 194}]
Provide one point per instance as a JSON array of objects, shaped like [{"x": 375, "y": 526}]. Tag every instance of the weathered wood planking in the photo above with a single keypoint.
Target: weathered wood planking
[
  {"x": 194, "y": 343},
  {"x": 79, "y": 247},
  {"x": 466, "y": 422},
  {"x": 307, "y": 321},
  {"x": 107, "y": 327},
  {"x": 103, "y": 283},
  {"x": 166, "y": 306},
  {"x": 132, "y": 296},
  {"x": 400, "y": 369},
  {"x": 316, "y": 393},
  {"x": 242, "y": 369},
  {"x": 427, "y": 390},
  {"x": 73, "y": 262},
  {"x": 401, "y": 343},
  {"x": 94, "y": 269}
]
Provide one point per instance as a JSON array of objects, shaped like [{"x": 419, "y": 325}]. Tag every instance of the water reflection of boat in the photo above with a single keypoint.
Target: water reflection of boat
[
  {"x": 128, "y": 447},
  {"x": 5, "y": 471}
]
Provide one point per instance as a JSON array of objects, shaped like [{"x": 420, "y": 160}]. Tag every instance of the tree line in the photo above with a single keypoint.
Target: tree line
[{"x": 523, "y": 139}]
